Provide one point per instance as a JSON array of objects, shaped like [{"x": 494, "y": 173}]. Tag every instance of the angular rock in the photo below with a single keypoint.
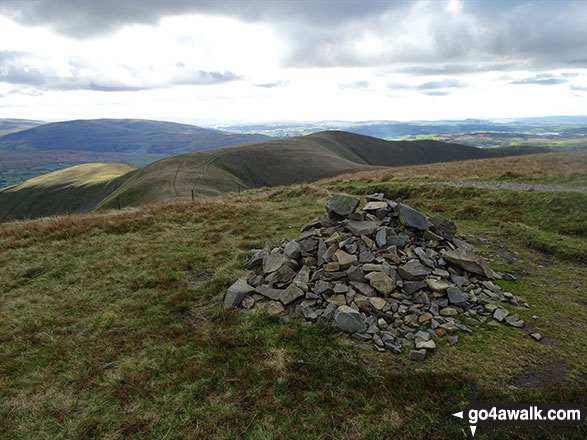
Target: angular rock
[
  {"x": 412, "y": 218},
  {"x": 469, "y": 261},
  {"x": 364, "y": 289},
  {"x": 355, "y": 273},
  {"x": 417, "y": 355},
  {"x": 292, "y": 250},
  {"x": 443, "y": 227},
  {"x": 424, "y": 258},
  {"x": 349, "y": 320},
  {"x": 381, "y": 282},
  {"x": 412, "y": 286},
  {"x": 273, "y": 262},
  {"x": 285, "y": 274},
  {"x": 257, "y": 258},
  {"x": 374, "y": 206},
  {"x": 344, "y": 260},
  {"x": 413, "y": 270},
  {"x": 500, "y": 314},
  {"x": 359, "y": 227},
  {"x": 290, "y": 294},
  {"x": 437, "y": 285},
  {"x": 236, "y": 293},
  {"x": 274, "y": 308},
  {"x": 377, "y": 303},
  {"x": 341, "y": 205},
  {"x": 428, "y": 345},
  {"x": 268, "y": 292},
  {"x": 448, "y": 311},
  {"x": 455, "y": 296}
]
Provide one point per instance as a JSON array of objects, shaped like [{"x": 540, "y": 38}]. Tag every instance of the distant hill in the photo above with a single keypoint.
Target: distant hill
[
  {"x": 49, "y": 147},
  {"x": 123, "y": 136},
  {"x": 11, "y": 125},
  {"x": 271, "y": 163}
]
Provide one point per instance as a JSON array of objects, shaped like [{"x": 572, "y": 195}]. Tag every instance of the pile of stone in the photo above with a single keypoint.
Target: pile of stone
[{"x": 385, "y": 274}]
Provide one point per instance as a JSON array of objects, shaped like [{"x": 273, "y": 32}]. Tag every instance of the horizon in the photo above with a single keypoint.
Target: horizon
[{"x": 228, "y": 62}]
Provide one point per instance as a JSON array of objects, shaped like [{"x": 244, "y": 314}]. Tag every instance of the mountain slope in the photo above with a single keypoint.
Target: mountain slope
[
  {"x": 11, "y": 125},
  {"x": 122, "y": 135},
  {"x": 75, "y": 189},
  {"x": 276, "y": 162}
]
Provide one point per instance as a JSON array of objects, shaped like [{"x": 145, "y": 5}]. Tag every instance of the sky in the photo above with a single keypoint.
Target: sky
[{"x": 229, "y": 61}]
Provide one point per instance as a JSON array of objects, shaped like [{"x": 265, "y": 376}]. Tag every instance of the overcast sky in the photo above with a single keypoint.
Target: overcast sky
[{"x": 212, "y": 61}]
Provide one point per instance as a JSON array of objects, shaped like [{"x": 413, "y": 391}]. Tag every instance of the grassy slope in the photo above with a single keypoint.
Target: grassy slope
[
  {"x": 75, "y": 189},
  {"x": 111, "y": 325},
  {"x": 281, "y": 162}
]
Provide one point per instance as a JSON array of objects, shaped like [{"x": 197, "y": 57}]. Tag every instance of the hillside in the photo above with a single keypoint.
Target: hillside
[
  {"x": 111, "y": 322},
  {"x": 123, "y": 136},
  {"x": 11, "y": 125},
  {"x": 271, "y": 163},
  {"x": 49, "y": 147},
  {"x": 75, "y": 189}
]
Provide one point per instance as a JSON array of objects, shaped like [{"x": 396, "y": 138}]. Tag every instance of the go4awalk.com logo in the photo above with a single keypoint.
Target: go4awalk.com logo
[{"x": 478, "y": 414}]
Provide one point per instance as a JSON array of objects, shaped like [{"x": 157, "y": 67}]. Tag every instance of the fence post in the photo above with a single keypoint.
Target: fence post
[
  {"x": 193, "y": 195},
  {"x": 118, "y": 201}
]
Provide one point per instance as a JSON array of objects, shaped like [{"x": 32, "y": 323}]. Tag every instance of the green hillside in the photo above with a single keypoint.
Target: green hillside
[
  {"x": 111, "y": 322},
  {"x": 75, "y": 189},
  {"x": 271, "y": 163},
  {"x": 48, "y": 147}
]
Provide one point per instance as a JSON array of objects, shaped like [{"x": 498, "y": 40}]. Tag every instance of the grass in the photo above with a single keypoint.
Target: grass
[{"x": 111, "y": 325}]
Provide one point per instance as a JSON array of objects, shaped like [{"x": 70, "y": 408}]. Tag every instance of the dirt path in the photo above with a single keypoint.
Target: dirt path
[{"x": 508, "y": 185}]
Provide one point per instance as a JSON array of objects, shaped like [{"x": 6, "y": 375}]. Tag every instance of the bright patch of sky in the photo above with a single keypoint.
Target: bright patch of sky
[{"x": 226, "y": 61}]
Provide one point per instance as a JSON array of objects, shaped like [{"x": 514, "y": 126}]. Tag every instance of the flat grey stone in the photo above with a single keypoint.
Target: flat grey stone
[
  {"x": 500, "y": 314},
  {"x": 412, "y": 218},
  {"x": 424, "y": 258},
  {"x": 381, "y": 282},
  {"x": 359, "y": 227},
  {"x": 292, "y": 249},
  {"x": 268, "y": 292},
  {"x": 236, "y": 293},
  {"x": 273, "y": 262},
  {"x": 417, "y": 355},
  {"x": 469, "y": 261},
  {"x": 349, "y": 320},
  {"x": 290, "y": 294},
  {"x": 341, "y": 205},
  {"x": 455, "y": 296},
  {"x": 413, "y": 270}
]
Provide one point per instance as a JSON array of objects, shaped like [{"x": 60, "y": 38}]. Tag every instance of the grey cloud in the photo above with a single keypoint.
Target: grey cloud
[
  {"x": 577, "y": 88},
  {"x": 436, "y": 93},
  {"x": 21, "y": 68},
  {"x": 88, "y": 18},
  {"x": 354, "y": 85},
  {"x": 447, "y": 83},
  {"x": 431, "y": 85},
  {"x": 494, "y": 35},
  {"x": 271, "y": 85},
  {"x": 541, "y": 80}
]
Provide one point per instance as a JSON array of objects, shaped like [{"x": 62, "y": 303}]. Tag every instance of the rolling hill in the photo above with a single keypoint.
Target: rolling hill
[
  {"x": 271, "y": 163},
  {"x": 123, "y": 136},
  {"x": 112, "y": 326},
  {"x": 11, "y": 125},
  {"x": 48, "y": 147}
]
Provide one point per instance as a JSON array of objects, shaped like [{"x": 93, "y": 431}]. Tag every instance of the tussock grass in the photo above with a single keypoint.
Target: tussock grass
[
  {"x": 563, "y": 168},
  {"x": 111, "y": 325}
]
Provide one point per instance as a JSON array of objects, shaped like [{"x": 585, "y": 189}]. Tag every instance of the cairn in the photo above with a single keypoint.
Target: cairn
[{"x": 385, "y": 274}]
